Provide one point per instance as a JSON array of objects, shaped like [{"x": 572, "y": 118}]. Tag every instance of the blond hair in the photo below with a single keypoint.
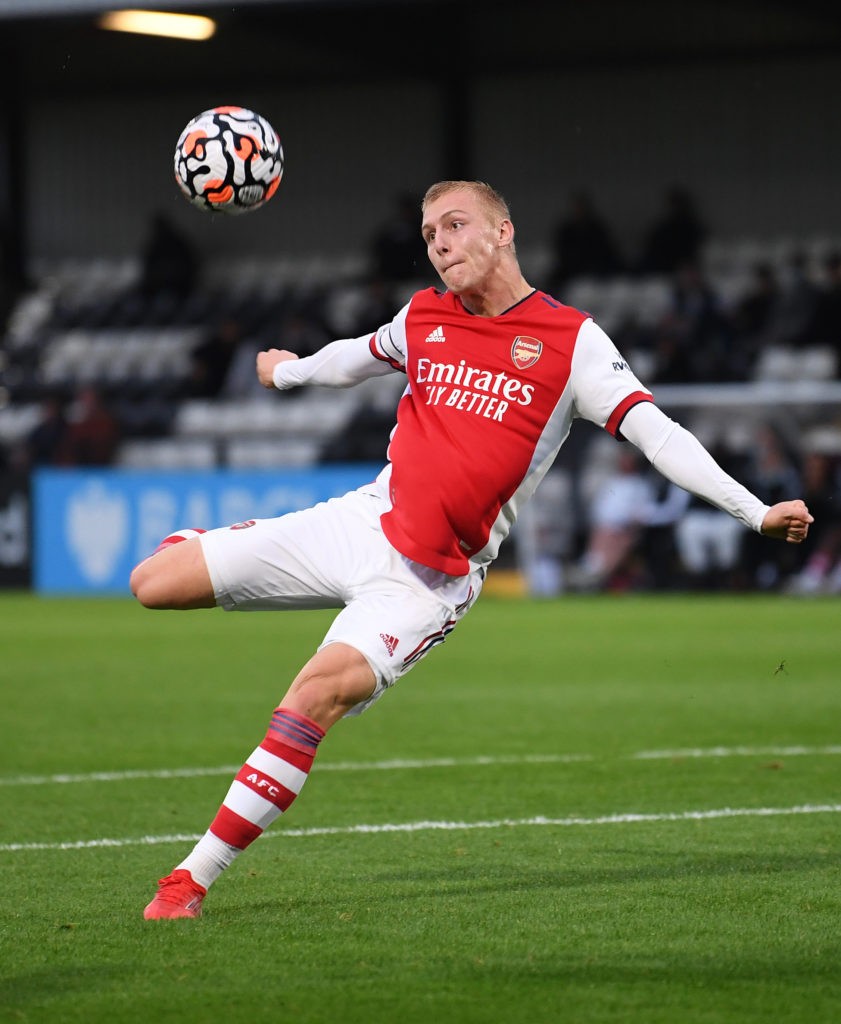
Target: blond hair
[{"x": 486, "y": 194}]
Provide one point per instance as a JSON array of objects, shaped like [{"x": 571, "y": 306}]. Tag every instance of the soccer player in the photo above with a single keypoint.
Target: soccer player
[{"x": 496, "y": 373}]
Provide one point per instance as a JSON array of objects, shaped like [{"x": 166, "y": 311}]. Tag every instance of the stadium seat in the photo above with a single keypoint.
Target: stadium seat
[
  {"x": 267, "y": 453},
  {"x": 168, "y": 453}
]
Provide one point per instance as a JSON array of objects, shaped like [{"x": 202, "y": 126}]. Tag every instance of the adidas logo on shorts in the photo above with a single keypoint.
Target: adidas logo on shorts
[{"x": 390, "y": 642}]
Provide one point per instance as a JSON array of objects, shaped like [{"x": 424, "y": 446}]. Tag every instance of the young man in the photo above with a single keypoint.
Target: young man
[{"x": 496, "y": 371}]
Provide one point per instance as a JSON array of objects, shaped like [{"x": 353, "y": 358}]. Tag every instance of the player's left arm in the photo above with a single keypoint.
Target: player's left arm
[{"x": 681, "y": 458}]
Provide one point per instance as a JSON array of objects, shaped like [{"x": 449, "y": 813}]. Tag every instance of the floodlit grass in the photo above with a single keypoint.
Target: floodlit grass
[{"x": 576, "y": 888}]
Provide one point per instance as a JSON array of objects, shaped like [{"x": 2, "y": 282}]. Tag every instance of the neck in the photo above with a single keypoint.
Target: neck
[{"x": 495, "y": 300}]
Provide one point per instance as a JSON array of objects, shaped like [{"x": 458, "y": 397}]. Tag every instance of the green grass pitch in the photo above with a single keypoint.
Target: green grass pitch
[{"x": 604, "y": 809}]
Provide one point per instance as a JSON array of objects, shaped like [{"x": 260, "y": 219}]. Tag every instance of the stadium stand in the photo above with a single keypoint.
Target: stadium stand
[{"x": 83, "y": 323}]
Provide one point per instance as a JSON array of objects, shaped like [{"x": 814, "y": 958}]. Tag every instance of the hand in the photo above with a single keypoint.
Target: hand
[
  {"x": 267, "y": 361},
  {"x": 788, "y": 520}
]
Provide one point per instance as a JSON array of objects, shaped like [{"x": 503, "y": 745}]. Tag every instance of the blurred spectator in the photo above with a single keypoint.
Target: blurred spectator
[
  {"x": 211, "y": 359},
  {"x": 827, "y": 327},
  {"x": 753, "y": 316},
  {"x": 364, "y": 438},
  {"x": 398, "y": 252},
  {"x": 43, "y": 445},
  {"x": 295, "y": 331},
  {"x": 12, "y": 278},
  {"x": 754, "y": 311},
  {"x": 377, "y": 306},
  {"x": 93, "y": 432},
  {"x": 241, "y": 379},
  {"x": 771, "y": 471},
  {"x": 544, "y": 534},
  {"x": 661, "y": 568},
  {"x": 820, "y": 567},
  {"x": 584, "y": 245},
  {"x": 796, "y": 306},
  {"x": 676, "y": 237},
  {"x": 709, "y": 541},
  {"x": 692, "y": 341},
  {"x": 617, "y": 515},
  {"x": 301, "y": 334},
  {"x": 170, "y": 264}
]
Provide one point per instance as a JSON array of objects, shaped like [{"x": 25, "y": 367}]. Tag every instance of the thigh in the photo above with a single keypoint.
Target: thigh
[
  {"x": 305, "y": 559},
  {"x": 174, "y": 578},
  {"x": 396, "y": 623}
]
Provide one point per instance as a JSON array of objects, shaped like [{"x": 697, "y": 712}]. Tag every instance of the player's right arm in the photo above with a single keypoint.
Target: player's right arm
[{"x": 339, "y": 364}]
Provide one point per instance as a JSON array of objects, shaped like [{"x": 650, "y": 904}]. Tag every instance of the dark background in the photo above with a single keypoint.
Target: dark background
[{"x": 736, "y": 100}]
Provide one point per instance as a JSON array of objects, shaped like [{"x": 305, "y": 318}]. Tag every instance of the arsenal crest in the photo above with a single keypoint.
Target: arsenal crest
[{"x": 525, "y": 352}]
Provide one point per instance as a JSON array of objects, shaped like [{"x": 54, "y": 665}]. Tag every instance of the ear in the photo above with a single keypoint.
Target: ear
[{"x": 506, "y": 233}]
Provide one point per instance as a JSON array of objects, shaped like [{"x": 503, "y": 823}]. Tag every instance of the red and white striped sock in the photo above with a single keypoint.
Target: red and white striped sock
[
  {"x": 263, "y": 789},
  {"x": 176, "y": 538}
]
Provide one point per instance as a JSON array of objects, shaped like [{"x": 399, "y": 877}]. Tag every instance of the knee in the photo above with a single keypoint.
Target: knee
[
  {"x": 335, "y": 680},
  {"x": 175, "y": 578},
  {"x": 143, "y": 585}
]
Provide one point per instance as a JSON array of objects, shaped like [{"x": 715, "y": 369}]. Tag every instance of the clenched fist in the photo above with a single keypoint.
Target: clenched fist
[
  {"x": 788, "y": 520},
  {"x": 267, "y": 361}
]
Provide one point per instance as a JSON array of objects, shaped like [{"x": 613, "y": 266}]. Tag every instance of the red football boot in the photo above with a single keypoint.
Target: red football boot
[{"x": 177, "y": 896}]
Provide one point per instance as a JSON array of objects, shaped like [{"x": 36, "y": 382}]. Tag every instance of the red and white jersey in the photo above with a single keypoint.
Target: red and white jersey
[{"x": 489, "y": 402}]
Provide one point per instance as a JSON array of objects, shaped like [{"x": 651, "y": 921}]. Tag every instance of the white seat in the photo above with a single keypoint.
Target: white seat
[
  {"x": 16, "y": 421},
  {"x": 777, "y": 362},
  {"x": 168, "y": 453},
  {"x": 263, "y": 453},
  {"x": 817, "y": 363}
]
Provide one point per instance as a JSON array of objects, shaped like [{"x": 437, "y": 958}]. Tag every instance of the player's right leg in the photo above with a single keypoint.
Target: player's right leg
[
  {"x": 329, "y": 556},
  {"x": 176, "y": 576}
]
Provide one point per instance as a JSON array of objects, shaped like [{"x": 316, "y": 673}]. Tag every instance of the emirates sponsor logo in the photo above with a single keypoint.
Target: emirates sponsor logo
[
  {"x": 245, "y": 525},
  {"x": 525, "y": 352},
  {"x": 470, "y": 389}
]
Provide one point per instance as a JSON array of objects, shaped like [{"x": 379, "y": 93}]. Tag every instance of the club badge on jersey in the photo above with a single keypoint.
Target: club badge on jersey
[{"x": 525, "y": 352}]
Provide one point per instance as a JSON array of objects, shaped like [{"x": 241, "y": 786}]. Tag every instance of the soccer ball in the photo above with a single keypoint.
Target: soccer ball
[{"x": 228, "y": 160}]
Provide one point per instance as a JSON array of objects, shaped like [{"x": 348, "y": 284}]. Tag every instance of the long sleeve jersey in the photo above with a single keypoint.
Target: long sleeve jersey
[{"x": 489, "y": 402}]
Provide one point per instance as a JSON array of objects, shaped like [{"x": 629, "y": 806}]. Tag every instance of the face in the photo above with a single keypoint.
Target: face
[{"x": 463, "y": 242}]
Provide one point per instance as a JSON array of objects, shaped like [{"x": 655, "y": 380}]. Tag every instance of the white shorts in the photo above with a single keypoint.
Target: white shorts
[{"x": 333, "y": 555}]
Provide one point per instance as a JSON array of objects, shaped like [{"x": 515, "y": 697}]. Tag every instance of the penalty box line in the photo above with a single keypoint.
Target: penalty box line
[
  {"x": 398, "y": 764},
  {"x": 449, "y": 826}
]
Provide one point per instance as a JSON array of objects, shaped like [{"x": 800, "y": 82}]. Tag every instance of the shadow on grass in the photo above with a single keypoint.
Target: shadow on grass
[
  {"x": 419, "y": 881},
  {"x": 43, "y": 986}
]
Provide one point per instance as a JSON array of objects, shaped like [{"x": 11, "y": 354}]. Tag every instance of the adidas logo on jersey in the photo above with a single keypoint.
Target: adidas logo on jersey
[
  {"x": 436, "y": 335},
  {"x": 390, "y": 642}
]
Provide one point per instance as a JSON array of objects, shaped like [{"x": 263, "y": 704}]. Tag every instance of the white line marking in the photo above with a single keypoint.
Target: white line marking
[
  {"x": 448, "y": 826},
  {"x": 124, "y": 776},
  {"x": 668, "y": 755},
  {"x": 325, "y": 766},
  {"x": 412, "y": 763}
]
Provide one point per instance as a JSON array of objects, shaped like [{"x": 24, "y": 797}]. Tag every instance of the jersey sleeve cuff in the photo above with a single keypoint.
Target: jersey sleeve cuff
[
  {"x": 621, "y": 411},
  {"x": 278, "y": 376}
]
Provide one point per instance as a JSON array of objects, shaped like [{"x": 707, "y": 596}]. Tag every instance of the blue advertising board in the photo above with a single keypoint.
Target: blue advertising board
[{"x": 91, "y": 527}]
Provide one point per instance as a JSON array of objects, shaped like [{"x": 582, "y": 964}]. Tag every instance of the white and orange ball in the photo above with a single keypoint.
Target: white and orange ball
[{"x": 228, "y": 160}]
